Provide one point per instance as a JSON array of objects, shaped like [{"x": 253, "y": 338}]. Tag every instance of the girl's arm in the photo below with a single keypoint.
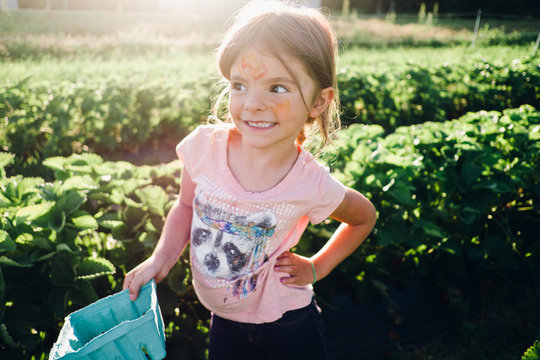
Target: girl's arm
[
  {"x": 171, "y": 244},
  {"x": 358, "y": 218}
]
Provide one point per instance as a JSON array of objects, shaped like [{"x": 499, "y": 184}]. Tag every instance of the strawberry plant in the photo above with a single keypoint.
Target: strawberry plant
[
  {"x": 115, "y": 116},
  {"x": 107, "y": 116},
  {"x": 457, "y": 203},
  {"x": 45, "y": 268},
  {"x": 414, "y": 93},
  {"x": 532, "y": 353},
  {"x": 66, "y": 243}
]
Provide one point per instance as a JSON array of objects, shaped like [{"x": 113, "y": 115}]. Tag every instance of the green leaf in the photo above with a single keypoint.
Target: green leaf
[
  {"x": 83, "y": 293},
  {"x": 70, "y": 202},
  {"x": 154, "y": 197},
  {"x": 4, "y": 201},
  {"x": 58, "y": 300},
  {"x": 533, "y": 353},
  {"x": 6, "y": 243},
  {"x": 121, "y": 232},
  {"x": 62, "y": 269},
  {"x": 178, "y": 279},
  {"x": 534, "y": 134},
  {"x": 84, "y": 220},
  {"x": 470, "y": 173},
  {"x": 6, "y": 159},
  {"x": 402, "y": 193},
  {"x": 4, "y": 335},
  {"x": 430, "y": 228},
  {"x": 32, "y": 212},
  {"x": 79, "y": 183},
  {"x": 110, "y": 224},
  {"x": 5, "y": 261},
  {"x": 57, "y": 221},
  {"x": 85, "y": 159},
  {"x": 24, "y": 238},
  {"x": 450, "y": 246},
  {"x": 55, "y": 163},
  {"x": 63, "y": 247},
  {"x": 28, "y": 185},
  {"x": 43, "y": 243},
  {"x": 90, "y": 268}
]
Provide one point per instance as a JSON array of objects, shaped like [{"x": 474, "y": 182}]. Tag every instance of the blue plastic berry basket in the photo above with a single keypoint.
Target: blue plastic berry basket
[{"x": 114, "y": 328}]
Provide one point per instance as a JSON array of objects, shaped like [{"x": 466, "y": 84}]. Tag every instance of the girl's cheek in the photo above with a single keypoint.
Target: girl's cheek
[
  {"x": 233, "y": 107},
  {"x": 281, "y": 109}
]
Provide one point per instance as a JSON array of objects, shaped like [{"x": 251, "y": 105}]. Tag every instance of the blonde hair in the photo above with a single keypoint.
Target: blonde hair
[{"x": 299, "y": 32}]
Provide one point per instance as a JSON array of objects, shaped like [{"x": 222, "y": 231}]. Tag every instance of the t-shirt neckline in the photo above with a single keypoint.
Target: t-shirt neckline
[{"x": 235, "y": 184}]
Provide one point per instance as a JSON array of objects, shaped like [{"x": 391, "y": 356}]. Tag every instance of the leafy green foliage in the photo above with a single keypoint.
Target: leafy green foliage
[
  {"x": 533, "y": 353},
  {"x": 66, "y": 243},
  {"x": 414, "y": 93},
  {"x": 457, "y": 203},
  {"x": 107, "y": 116},
  {"x": 114, "y": 115}
]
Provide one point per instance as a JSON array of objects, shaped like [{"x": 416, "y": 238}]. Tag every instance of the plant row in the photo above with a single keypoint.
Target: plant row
[
  {"x": 415, "y": 93},
  {"x": 124, "y": 115},
  {"x": 107, "y": 116},
  {"x": 458, "y": 204},
  {"x": 67, "y": 242}
]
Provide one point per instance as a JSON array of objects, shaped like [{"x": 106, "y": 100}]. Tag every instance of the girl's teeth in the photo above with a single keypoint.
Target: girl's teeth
[{"x": 260, "y": 124}]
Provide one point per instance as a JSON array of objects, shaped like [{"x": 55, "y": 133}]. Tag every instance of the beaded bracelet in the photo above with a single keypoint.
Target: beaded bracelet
[{"x": 314, "y": 274}]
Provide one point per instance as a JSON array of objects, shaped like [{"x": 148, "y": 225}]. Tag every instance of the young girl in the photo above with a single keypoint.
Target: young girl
[{"x": 249, "y": 189}]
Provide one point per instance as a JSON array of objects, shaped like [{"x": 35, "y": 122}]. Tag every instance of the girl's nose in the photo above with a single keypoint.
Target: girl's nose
[{"x": 254, "y": 102}]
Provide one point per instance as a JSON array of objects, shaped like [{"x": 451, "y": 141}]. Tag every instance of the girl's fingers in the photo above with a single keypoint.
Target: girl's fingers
[
  {"x": 298, "y": 268},
  {"x": 127, "y": 281},
  {"x": 285, "y": 268},
  {"x": 289, "y": 280},
  {"x": 134, "y": 287},
  {"x": 285, "y": 255}
]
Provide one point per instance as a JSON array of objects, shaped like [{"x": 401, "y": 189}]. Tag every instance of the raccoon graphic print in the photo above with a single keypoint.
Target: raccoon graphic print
[{"x": 228, "y": 246}]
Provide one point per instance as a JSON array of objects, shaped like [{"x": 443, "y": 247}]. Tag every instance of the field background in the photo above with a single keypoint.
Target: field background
[{"x": 159, "y": 70}]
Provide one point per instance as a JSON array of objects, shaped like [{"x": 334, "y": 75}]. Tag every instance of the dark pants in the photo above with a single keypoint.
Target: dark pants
[{"x": 299, "y": 334}]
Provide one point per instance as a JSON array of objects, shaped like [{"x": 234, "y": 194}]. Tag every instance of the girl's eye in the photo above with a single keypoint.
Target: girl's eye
[
  {"x": 279, "y": 89},
  {"x": 238, "y": 86}
]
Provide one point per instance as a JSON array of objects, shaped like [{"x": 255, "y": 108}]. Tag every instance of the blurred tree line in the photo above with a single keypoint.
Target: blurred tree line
[{"x": 518, "y": 7}]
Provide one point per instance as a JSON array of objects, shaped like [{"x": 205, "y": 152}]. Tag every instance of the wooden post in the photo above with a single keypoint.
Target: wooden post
[
  {"x": 536, "y": 44},
  {"x": 476, "y": 27}
]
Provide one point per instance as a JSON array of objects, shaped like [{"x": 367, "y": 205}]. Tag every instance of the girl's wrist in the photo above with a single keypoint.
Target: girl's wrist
[
  {"x": 313, "y": 271},
  {"x": 319, "y": 266}
]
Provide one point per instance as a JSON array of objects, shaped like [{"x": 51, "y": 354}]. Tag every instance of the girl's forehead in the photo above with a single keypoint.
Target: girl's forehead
[{"x": 256, "y": 63}]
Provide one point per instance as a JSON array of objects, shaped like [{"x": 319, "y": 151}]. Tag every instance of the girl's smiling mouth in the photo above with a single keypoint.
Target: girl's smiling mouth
[{"x": 260, "y": 124}]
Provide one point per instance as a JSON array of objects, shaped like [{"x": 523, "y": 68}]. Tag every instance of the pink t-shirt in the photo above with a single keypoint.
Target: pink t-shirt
[{"x": 236, "y": 235}]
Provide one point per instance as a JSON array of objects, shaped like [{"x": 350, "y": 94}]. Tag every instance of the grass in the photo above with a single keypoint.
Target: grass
[
  {"x": 384, "y": 58},
  {"x": 37, "y": 34},
  {"x": 190, "y": 66}
]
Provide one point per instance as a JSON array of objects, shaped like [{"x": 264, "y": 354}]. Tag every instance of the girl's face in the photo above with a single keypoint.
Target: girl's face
[{"x": 264, "y": 101}]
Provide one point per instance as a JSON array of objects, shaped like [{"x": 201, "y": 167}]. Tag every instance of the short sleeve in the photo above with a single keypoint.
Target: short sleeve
[
  {"x": 329, "y": 194},
  {"x": 185, "y": 148}
]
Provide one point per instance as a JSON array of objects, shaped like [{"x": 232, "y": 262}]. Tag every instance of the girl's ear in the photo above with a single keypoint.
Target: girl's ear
[{"x": 321, "y": 102}]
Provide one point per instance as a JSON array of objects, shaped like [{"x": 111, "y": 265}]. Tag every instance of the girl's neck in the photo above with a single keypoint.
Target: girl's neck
[{"x": 258, "y": 170}]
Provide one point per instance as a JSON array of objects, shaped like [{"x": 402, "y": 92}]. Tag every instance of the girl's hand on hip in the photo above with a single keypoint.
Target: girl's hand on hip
[{"x": 298, "y": 267}]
